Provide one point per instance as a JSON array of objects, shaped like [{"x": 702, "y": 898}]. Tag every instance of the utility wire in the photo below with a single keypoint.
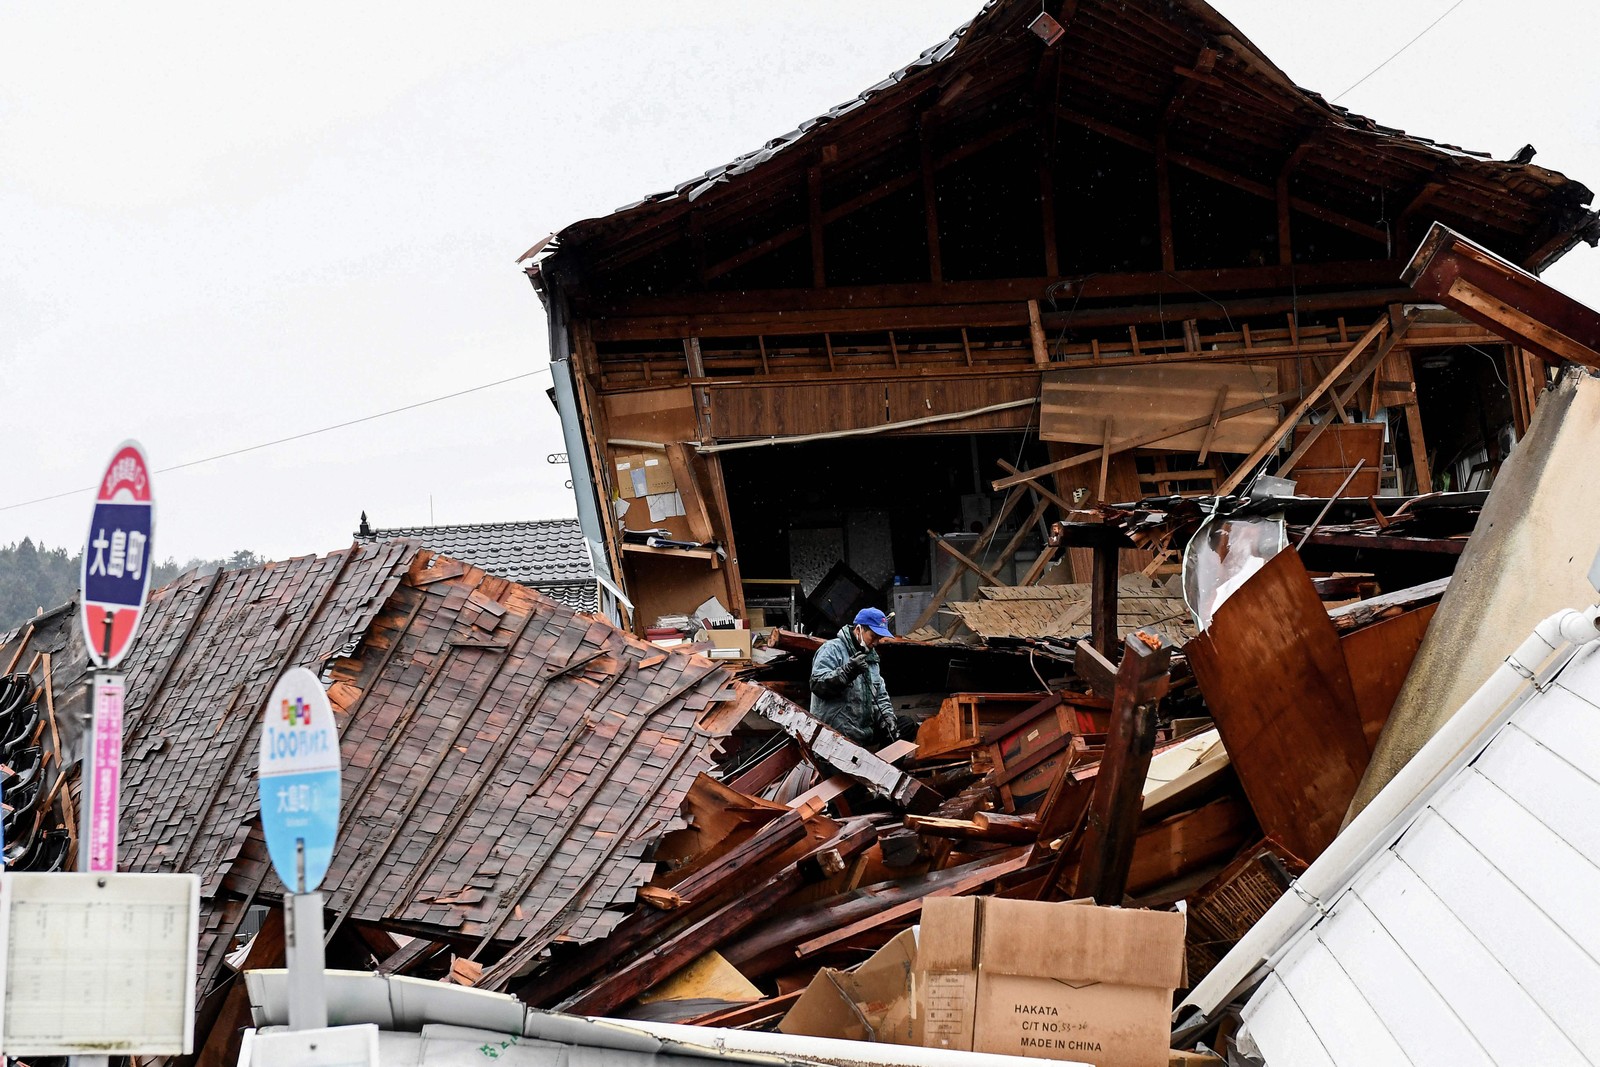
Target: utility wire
[
  {"x": 1402, "y": 48},
  {"x": 295, "y": 437}
]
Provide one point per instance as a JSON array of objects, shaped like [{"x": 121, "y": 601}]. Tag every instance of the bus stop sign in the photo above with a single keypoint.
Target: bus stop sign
[{"x": 117, "y": 556}]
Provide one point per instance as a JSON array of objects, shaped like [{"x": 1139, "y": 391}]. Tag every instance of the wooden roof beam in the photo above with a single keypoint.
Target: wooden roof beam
[
  {"x": 1470, "y": 279},
  {"x": 1145, "y": 285},
  {"x": 1222, "y": 174},
  {"x": 871, "y": 196}
]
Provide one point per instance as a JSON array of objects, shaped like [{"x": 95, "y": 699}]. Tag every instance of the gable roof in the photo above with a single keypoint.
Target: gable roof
[
  {"x": 548, "y": 554},
  {"x": 507, "y": 760},
  {"x": 1117, "y": 72}
]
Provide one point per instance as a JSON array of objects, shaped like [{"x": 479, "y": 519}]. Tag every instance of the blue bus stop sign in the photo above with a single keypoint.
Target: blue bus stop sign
[{"x": 299, "y": 780}]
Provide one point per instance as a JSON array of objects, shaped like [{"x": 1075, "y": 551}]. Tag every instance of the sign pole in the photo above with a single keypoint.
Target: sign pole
[
  {"x": 308, "y": 1006},
  {"x": 113, "y": 583}
]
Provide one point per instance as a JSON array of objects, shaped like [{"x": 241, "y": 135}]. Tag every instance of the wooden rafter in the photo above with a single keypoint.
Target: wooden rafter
[
  {"x": 1299, "y": 410},
  {"x": 879, "y": 191},
  {"x": 1222, "y": 174}
]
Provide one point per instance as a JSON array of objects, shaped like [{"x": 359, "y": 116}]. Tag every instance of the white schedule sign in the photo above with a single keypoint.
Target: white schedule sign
[{"x": 98, "y": 964}]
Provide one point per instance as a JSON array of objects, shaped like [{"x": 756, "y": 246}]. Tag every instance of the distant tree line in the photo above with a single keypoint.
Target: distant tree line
[{"x": 33, "y": 577}]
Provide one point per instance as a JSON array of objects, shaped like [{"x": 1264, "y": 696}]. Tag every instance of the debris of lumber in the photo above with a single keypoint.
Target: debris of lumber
[
  {"x": 845, "y": 755},
  {"x": 1114, "y": 807},
  {"x": 623, "y": 984}
]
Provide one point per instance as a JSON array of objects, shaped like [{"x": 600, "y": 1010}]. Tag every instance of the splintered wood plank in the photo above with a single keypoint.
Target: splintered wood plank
[
  {"x": 1216, "y": 420},
  {"x": 1245, "y": 469},
  {"x": 1274, "y": 676},
  {"x": 1074, "y": 403},
  {"x": 694, "y": 501},
  {"x": 1108, "y": 840}
]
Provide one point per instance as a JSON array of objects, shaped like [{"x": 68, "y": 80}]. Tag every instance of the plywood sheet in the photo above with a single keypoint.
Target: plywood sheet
[
  {"x": 662, "y": 415},
  {"x": 1379, "y": 658},
  {"x": 1145, "y": 399},
  {"x": 1274, "y": 676},
  {"x": 1339, "y": 446}
]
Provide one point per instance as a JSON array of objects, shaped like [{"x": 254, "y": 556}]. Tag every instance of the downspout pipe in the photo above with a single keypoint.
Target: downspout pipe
[{"x": 1536, "y": 660}]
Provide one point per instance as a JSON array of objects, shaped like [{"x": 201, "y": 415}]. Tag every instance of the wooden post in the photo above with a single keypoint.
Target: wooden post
[
  {"x": 1419, "y": 449},
  {"x": 819, "y": 277},
  {"x": 930, "y": 206},
  {"x": 1047, "y": 178},
  {"x": 692, "y": 358},
  {"x": 1047, "y": 217},
  {"x": 1285, "y": 201},
  {"x": 1519, "y": 396},
  {"x": 1041, "y": 349},
  {"x": 1113, "y": 818},
  {"x": 1534, "y": 377},
  {"x": 1285, "y": 251},
  {"x": 719, "y": 497},
  {"x": 1169, "y": 258},
  {"x": 1105, "y": 463},
  {"x": 1103, "y": 599}
]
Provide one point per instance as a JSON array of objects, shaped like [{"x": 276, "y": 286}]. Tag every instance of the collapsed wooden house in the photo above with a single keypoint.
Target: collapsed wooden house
[
  {"x": 508, "y": 762},
  {"x": 1018, "y": 275}
]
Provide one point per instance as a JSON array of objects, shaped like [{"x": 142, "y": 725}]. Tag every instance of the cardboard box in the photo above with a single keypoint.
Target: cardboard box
[
  {"x": 624, "y": 470},
  {"x": 870, "y": 1003},
  {"x": 1065, "y": 981},
  {"x": 738, "y": 640},
  {"x": 642, "y": 474}
]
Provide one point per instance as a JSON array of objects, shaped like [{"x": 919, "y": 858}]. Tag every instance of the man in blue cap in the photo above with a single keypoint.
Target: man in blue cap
[{"x": 847, "y": 692}]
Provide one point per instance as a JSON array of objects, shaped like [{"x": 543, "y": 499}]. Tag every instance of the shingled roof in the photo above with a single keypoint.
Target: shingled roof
[
  {"x": 548, "y": 554},
  {"x": 507, "y": 760}
]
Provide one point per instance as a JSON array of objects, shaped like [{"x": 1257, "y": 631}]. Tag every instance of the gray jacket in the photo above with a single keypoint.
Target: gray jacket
[{"x": 858, "y": 705}]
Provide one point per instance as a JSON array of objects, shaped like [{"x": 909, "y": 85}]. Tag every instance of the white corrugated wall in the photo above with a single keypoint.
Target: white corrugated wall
[{"x": 1475, "y": 937}]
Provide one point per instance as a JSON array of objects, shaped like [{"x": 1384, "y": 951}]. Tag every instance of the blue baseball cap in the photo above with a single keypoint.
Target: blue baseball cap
[{"x": 874, "y": 620}]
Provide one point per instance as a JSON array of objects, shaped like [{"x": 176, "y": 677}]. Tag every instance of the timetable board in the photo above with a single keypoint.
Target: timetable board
[{"x": 98, "y": 964}]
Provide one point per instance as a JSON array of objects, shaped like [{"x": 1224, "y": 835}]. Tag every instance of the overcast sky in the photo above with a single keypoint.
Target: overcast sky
[{"x": 219, "y": 231}]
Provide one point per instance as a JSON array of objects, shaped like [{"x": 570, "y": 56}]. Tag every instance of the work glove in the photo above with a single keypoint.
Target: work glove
[{"x": 857, "y": 664}]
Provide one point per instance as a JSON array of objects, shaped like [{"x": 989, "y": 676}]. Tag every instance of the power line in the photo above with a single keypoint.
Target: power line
[
  {"x": 295, "y": 437},
  {"x": 1402, "y": 48}
]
